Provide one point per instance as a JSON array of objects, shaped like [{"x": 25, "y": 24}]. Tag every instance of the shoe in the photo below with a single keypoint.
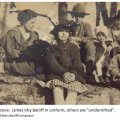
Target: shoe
[
  {"x": 90, "y": 80},
  {"x": 102, "y": 81}
]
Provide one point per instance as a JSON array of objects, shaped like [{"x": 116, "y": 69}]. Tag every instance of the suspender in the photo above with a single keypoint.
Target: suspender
[{"x": 79, "y": 30}]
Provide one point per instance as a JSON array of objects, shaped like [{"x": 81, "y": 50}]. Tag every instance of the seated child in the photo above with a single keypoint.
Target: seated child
[{"x": 103, "y": 48}]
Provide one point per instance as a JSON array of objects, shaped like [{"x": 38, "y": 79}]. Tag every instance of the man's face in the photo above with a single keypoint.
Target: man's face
[
  {"x": 63, "y": 35},
  {"x": 117, "y": 23},
  {"x": 79, "y": 18},
  {"x": 29, "y": 25}
]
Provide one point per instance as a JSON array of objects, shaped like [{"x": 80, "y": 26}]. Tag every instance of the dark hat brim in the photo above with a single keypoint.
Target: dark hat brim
[{"x": 77, "y": 13}]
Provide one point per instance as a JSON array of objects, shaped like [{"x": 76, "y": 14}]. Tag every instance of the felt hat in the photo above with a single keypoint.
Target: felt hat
[{"x": 78, "y": 10}]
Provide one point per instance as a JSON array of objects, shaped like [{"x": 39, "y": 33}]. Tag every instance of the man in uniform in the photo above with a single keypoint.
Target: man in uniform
[{"x": 83, "y": 35}]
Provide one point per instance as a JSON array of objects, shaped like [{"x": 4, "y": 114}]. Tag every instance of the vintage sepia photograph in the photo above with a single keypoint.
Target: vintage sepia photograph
[{"x": 59, "y": 53}]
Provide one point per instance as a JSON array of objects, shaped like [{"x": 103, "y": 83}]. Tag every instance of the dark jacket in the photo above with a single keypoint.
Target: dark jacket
[
  {"x": 14, "y": 41},
  {"x": 64, "y": 57}
]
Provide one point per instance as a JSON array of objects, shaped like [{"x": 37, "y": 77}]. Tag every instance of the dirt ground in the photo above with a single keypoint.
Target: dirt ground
[{"x": 27, "y": 90}]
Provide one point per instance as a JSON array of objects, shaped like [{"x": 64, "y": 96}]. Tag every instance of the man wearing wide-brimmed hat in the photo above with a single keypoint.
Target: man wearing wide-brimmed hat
[{"x": 83, "y": 36}]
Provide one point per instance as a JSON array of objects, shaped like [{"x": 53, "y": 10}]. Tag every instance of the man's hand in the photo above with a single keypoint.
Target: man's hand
[{"x": 68, "y": 77}]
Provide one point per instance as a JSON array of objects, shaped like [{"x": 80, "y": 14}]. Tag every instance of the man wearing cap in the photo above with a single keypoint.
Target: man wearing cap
[{"x": 82, "y": 34}]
